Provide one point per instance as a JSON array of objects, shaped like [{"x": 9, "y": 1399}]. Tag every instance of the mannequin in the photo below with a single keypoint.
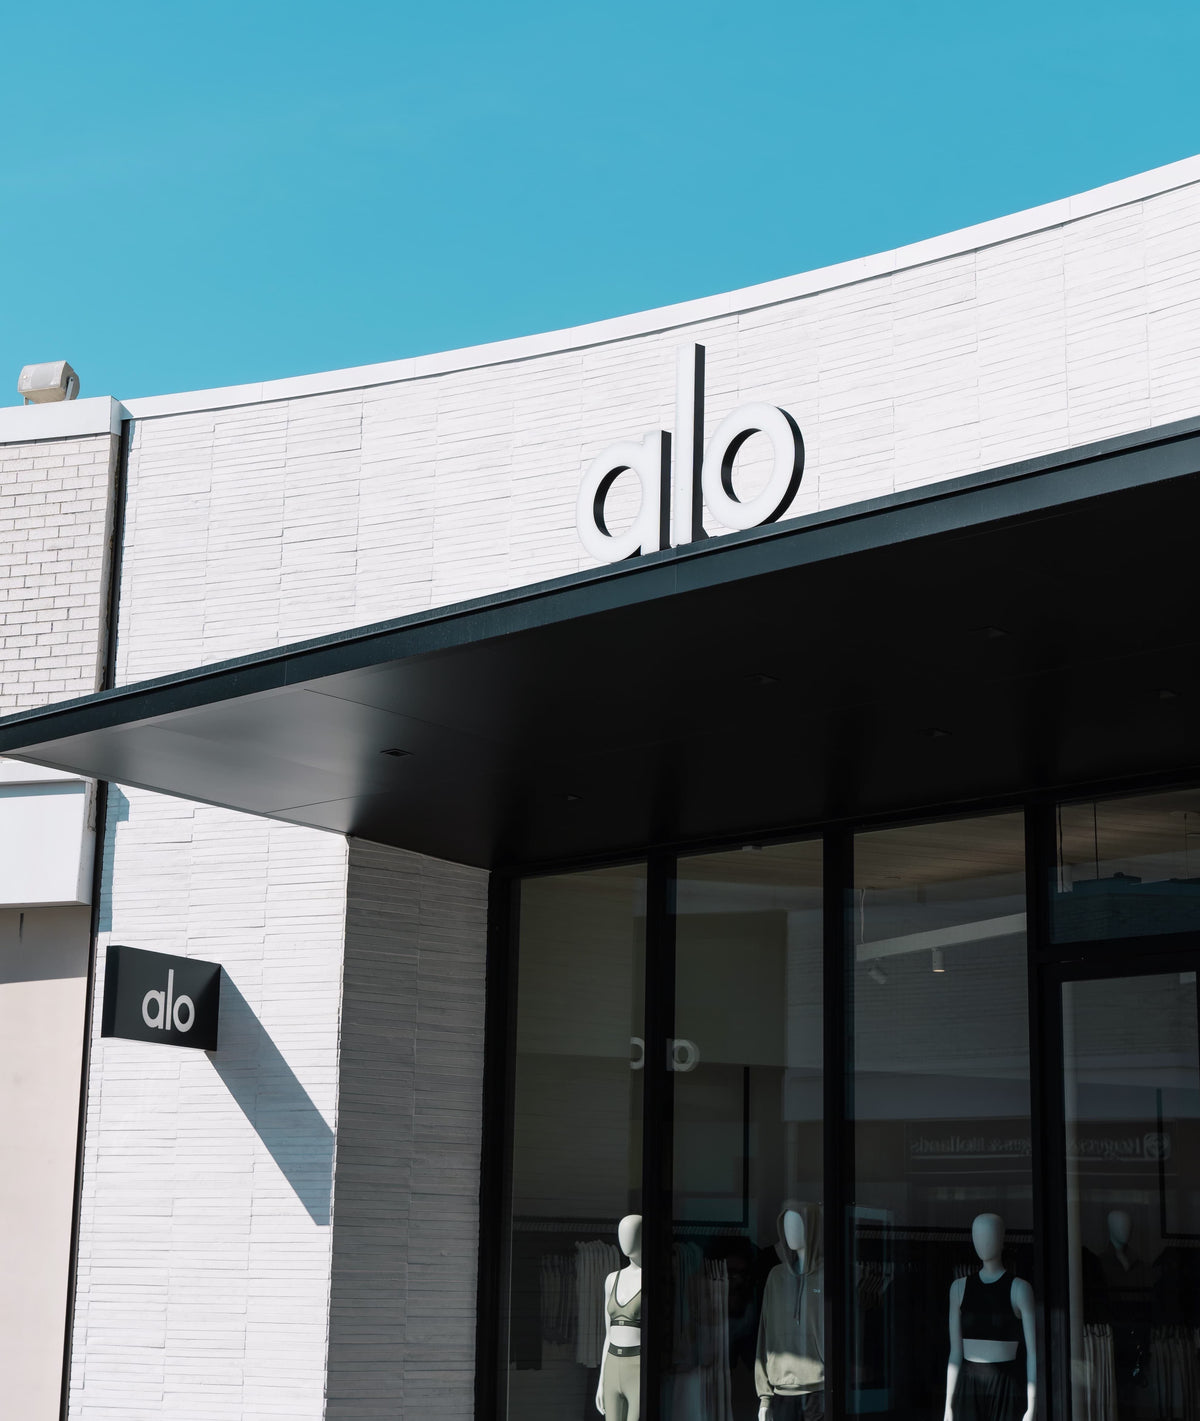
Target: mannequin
[
  {"x": 991, "y": 1312},
  {"x": 1120, "y": 1231},
  {"x": 789, "y": 1368},
  {"x": 619, "y": 1391},
  {"x": 1127, "y": 1285}
]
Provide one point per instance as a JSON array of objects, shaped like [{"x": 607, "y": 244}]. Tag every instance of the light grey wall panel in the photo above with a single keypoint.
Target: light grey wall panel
[{"x": 406, "y": 1192}]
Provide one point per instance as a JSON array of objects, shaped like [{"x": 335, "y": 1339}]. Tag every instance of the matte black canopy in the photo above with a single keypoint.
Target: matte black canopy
[{"x": 1031, "y": 629}]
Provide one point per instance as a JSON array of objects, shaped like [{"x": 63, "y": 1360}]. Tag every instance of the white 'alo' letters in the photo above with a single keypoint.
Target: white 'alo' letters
[
  {"x": 679, "y": 476},
  {"x": 170, "y": 1008}
]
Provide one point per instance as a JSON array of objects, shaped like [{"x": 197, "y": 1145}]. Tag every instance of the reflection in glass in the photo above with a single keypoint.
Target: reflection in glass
[
  {"x": 1132, "y": 1097},
  {"x": 1128, "y": 867},
  {"x": 748, "y": 1235},
  {"x": 576, "y": 1170},
  {"x": 941, "y": 1133}
]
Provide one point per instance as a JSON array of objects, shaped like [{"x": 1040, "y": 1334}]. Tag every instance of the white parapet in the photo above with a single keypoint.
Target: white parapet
[{"x": 47, "y": 837}]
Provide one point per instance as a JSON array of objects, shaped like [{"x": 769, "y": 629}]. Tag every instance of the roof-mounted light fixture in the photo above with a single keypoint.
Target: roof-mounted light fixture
[{"x": 47, "y": 383}]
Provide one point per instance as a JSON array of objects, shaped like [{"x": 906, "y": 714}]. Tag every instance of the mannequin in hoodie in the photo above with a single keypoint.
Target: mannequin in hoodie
[
  {"x": 619, "y": 1392},
  {"x": 991, "y": 1312},
  {"x": 790, "y": 1364}
]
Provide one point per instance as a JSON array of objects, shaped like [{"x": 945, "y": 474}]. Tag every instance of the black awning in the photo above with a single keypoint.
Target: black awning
[{"x": 1019, "y": 631}]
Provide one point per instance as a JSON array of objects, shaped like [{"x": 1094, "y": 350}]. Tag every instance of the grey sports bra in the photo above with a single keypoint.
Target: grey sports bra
[{"x": 627, "y": 1314}]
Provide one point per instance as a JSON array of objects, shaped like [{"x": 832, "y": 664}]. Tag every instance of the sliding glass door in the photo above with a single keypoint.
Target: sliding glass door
[{"x": 1131, "y": 1151}]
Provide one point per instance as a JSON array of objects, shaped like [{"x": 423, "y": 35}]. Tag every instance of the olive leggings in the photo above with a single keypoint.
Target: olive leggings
[{"x": 622, "y": 1388}]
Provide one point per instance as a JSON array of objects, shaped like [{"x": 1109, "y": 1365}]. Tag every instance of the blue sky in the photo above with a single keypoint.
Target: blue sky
[{"x": 201, "y": 195}]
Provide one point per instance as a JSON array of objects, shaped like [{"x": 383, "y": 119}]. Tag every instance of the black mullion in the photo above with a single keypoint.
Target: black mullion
[
  {"x": 657, "y": 1128},
  {"x": 1055, "y": 1204},
  {"x": 495, "y": 1192},
  {"x": 1049, "y": 1123},
  {"x": 838, "y": 1131},
  {"x": 1046, "y": 1158}
]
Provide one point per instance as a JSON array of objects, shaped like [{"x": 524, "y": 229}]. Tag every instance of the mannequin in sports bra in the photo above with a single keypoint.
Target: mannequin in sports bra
[
  {"x": 619, "y": 1393},
  {"x": 991, "y": 1313}
]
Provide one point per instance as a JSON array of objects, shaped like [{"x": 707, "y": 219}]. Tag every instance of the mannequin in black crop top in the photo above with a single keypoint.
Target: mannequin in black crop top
[
  {"x": 986, "y": 1309},
  {"x": 991, "y": 1314}
]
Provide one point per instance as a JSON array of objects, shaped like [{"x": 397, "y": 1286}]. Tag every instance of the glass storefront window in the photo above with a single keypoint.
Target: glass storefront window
[
  {"x": 1132, "y": 1113},
  {"x": 747, "y": 1281},
  {"x": 577, "y": 1132},
  {"x": 1127, "y": 867},
  {"x": 941, "y": 1214}
]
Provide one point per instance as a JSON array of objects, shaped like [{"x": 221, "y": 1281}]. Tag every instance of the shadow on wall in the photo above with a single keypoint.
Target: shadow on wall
[
  {"x": 275, "y": 1103},
  {"x": 254, "y": 1072},
  {"x": 116, "y": 812}
]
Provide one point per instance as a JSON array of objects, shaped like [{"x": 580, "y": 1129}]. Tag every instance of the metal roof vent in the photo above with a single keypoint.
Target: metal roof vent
[{"x": 47, "y": 383}]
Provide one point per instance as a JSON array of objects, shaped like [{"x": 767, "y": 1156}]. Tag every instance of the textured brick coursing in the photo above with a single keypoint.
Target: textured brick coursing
[
  {"x": 267, "y": 523},
  {"x": 205, "y": 1236},
  {"x": 55, "y": 502},
  {"x": 402, "y": 1309}
]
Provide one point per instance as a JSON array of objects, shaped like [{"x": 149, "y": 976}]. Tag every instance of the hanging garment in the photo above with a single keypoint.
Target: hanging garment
[
  {"x": 1100, "y": 1381},
  {"x": 559, "y": 1299},
  {"x": 1174, "y": 1373},
  {"x": 714, "y": 1351},
  {"x": 594, "y": 1261}
]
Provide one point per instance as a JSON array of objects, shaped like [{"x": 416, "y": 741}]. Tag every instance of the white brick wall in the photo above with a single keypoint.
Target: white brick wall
[
  {"x": 264, "y": 523},
  {"x": 54, "y": 511},
  {"x": 406, "y": 1207},
  {"x": 205, "y": 1232}
]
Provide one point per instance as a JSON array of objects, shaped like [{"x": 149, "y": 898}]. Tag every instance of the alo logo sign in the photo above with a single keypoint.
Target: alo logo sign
[
  {"x": 151, "y": 996},
  {"x": 679, "y": 477},
  {"x": 161, "y": 1010}
]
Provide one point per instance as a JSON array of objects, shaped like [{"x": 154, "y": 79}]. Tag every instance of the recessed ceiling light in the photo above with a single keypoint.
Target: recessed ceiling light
[{"x": 396, "y": 753}]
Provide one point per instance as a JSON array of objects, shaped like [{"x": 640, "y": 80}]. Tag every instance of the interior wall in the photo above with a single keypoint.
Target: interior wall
[
  {"x": 410, "y": 1095},
  {"x": 43, "y": 981}
]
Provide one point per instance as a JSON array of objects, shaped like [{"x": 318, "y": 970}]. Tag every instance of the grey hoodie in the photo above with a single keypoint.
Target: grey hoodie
[{"x": 791, "y": 1330}]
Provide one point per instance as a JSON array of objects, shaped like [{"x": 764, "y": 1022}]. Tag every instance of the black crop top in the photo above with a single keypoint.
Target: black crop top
[{"x": 987, "y": 1309}]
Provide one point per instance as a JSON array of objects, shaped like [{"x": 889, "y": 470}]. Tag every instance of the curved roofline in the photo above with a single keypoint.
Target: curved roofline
[{"x": 984, "y": 234}]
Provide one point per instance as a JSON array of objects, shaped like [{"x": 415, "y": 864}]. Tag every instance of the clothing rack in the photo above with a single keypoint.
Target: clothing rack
[
  {"x": 871, "y": 1229},
  {"x": 527, "y": 1224},
  {"x": 711, "y": 1230}
]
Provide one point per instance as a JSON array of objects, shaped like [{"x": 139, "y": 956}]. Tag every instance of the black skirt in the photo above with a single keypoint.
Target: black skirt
[{"x": 990, "y": 1391}]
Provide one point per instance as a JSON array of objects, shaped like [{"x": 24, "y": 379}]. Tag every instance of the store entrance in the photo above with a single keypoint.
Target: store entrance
[{"x": 1130, "y": 1149}]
